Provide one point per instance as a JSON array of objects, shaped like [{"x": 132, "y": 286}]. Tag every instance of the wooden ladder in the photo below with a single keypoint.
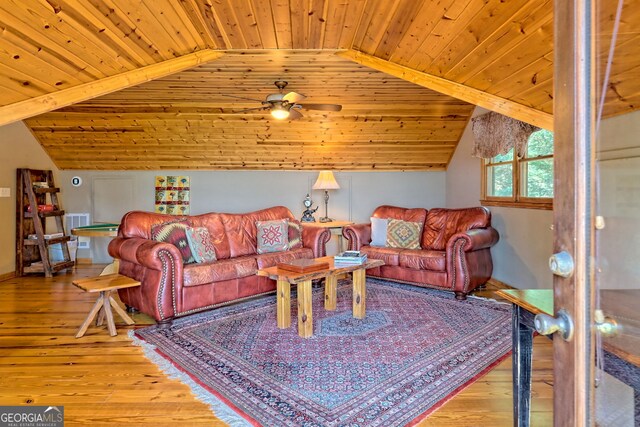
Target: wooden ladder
[{"x": 32, "y": 211}]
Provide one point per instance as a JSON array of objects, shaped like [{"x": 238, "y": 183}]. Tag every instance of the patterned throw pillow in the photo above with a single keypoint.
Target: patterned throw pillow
[
  {"x": 176, "y": 234},
  {"x": 201, "y": 244},
  {"x": 403, "y": 234},
  {"x": 379, "y": 231},
  {"x": 295, "y": 234},
  {"x": 273, "y": 236}
]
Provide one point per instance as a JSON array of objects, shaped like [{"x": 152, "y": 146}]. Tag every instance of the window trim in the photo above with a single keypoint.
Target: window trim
[{"x": 516, "y": 200}]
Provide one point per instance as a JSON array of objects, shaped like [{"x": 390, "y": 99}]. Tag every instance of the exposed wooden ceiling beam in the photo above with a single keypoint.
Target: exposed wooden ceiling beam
[
  {"x": 456, "y": 90},
  {"x": 52, "y": 101}
]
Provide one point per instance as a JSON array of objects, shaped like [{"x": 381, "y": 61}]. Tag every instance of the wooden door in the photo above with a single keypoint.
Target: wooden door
[{"x": 596, "y": 213}]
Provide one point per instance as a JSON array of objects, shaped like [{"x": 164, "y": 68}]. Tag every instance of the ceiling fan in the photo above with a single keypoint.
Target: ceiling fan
[{"x": 286, "y": 105}]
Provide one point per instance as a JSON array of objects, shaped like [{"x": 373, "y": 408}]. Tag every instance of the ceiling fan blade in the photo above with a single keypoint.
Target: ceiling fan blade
[
  {"x": 294, "y": 114},
  {"x": 250, "y": 109},
  {"x": 322, "y": 107},
  {"x": 293, "y": 97},
  {"x": 241, "y": 97}
]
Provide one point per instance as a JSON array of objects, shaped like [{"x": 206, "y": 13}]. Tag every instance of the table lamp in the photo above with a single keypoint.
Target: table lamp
[{"x": 326, "y": 182}]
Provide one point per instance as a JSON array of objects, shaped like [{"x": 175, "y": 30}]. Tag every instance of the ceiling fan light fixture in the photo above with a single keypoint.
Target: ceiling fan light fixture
[{"x": 279, "y": 112}]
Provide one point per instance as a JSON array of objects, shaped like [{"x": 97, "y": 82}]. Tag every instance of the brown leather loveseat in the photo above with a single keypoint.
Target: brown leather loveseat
[
  {"x": 170, "y": 288},
  {"x": 452, "y": 250}
]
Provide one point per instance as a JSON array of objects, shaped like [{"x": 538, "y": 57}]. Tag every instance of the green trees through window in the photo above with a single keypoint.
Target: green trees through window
[{"x": 523, "y": 181}]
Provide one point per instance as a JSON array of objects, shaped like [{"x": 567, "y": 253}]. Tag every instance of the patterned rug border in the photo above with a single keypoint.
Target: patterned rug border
[
  {"x": 221, "y": 407},
  {"x": 227, "y": 412}
]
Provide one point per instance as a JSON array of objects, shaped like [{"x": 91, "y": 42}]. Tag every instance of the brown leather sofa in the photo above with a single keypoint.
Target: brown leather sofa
[
  {"x": 454, "y": 249},
  {"x": 171, "y": 289}
]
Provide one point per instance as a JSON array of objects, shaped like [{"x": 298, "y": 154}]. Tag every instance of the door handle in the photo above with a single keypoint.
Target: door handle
[{"x": 547, "y": 325}]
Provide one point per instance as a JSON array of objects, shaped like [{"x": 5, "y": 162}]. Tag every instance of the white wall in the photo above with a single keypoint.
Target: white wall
[
  {"x": 245, "y": 191},
  {"x": 618, "y": 244},
  {"x": 18, "y": 149},
  {"x": 520, "y": 258}
]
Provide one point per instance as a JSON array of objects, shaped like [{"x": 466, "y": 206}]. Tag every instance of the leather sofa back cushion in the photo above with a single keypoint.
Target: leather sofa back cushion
[
  {"x": 394, "y": 212},
  {"x": 241, "y": 228},
  {"x": 441, "y": 224},
  {"x": 139, "y": 223}
]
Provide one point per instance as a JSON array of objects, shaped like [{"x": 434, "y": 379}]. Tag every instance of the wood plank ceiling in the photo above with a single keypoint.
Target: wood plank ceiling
[{"x": 184, "y": 121}]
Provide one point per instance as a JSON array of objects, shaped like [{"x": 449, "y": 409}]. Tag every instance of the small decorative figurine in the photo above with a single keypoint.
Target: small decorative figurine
[{"x": 307, "y": 215}]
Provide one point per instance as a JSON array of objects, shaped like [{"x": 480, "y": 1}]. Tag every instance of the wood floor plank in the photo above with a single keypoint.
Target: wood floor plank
[{"x": 103, "y": 380}]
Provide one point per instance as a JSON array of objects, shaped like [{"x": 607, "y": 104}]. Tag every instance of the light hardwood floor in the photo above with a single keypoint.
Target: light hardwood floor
[{"x": 106, "y": 380}]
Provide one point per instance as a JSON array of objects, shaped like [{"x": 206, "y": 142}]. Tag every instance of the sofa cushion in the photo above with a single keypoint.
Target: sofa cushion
[
  {"x": 441, "y": 224},
  {"x": 218, "y": 271},
  {"x": 295, "y": 234},
  {"x": 379, "y": 231},
  {"x": 404, "y": 234},
  {"x": 390, "y": 256},
  {"x": 201, "y": 244},
  {"x": 272, "y": 236},
  {"x": 174, "y": 232},
  {"x": 269, "y": 260},
  {"x": 405, "y": 214},
  {"x": 241, "y": 228},
  {"x": 423, "y": 260}
]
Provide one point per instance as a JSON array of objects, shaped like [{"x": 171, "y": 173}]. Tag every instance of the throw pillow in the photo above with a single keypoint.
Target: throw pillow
[
  {"x": 272, "y": 236},
  {"x": 379, "y": 231},
  {"x": 295, "y": 234},
  {"x": 403, "y": 234},
  {"x": 175, "y": 233},
  {"x": 201, "y": 244}
]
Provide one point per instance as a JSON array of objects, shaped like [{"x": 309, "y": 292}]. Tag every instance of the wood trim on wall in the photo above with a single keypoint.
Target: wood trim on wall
[
  {"x": 7, "y": 276},
  {"x": 453, "y": 89},
  {"x": 52, "y": 101}
]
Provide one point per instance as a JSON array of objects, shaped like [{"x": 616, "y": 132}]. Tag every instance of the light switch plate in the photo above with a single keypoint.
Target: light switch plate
[{"x": 5, "y": 192}]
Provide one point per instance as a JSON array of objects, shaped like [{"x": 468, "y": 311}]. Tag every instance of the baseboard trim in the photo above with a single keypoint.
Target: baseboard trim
[
  {"x": 7, "y": 276},
  {"x": 497, "y": 284},
  {"x": 84, "y": 261}
]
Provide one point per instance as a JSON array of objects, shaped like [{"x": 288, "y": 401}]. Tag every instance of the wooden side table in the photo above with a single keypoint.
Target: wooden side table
[
  {"x": 335, "y": 227},
  {"x": 106, "y": 285}
]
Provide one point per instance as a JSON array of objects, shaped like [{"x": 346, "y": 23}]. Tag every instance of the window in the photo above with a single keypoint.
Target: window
[{"x": 521, "y": 182}]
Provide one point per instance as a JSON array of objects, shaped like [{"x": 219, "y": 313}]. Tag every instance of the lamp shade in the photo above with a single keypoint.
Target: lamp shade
[{"x": 326, "y": 181}]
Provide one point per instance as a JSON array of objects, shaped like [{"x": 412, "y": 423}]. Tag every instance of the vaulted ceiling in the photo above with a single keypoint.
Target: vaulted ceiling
[{"x": 154, "y": 84}]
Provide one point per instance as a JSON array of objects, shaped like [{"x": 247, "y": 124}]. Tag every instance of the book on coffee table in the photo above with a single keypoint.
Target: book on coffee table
[
  {"x": 303, "y": 265},
  {"x": 350, "y": 257}
]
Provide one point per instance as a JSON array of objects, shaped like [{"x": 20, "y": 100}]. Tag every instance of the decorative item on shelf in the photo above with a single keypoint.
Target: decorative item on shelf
[
  {"x": 326, "y": 182},
  {"x": 307, "y": 215}
]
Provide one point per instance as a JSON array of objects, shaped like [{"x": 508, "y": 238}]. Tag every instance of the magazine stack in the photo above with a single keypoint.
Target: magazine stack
[{"x": 350, "y": 258}]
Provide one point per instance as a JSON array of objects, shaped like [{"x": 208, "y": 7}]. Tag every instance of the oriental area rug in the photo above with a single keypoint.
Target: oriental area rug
[{"x": 415, "y": 350}]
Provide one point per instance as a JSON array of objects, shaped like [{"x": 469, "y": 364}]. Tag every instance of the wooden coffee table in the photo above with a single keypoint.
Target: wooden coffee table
[{"x": 286, "y": 278}]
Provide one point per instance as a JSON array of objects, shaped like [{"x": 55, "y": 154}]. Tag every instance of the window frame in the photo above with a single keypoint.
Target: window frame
[{"x": 516, "y": 200}]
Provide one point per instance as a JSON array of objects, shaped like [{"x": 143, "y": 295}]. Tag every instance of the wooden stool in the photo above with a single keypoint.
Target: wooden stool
[{"x": 105, "y": 285}]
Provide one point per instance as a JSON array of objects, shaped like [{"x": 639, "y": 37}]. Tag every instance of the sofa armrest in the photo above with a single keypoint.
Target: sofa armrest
[
  {"x": 158, "y": 267},
  {"x": 469, "y": 262},
  {"x": 144, "y": 252},
  {"x": 357, "y": 235},
  {"x": 316, "y": 238},
  {"x": 475, "y": 239}
]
